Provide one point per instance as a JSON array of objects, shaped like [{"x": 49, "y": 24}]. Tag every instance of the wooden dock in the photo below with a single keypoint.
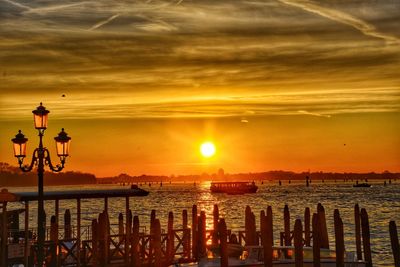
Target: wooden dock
[{"x": 99, "y": 244}]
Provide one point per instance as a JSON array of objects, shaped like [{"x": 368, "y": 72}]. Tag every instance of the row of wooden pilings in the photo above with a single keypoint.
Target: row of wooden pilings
[{"x": 160, "y": 249}]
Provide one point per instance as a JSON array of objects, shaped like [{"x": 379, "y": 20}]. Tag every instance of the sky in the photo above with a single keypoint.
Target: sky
[{"x": 283, "y": 84}]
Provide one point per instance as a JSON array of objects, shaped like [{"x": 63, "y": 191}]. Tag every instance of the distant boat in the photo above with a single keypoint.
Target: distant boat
[
  {"x": 233, "y": 188},
  {"x": 362, "y": 185}
]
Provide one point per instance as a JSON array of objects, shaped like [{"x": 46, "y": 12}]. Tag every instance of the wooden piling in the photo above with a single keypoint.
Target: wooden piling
[
  {"x": 357, "y": 221},
  {"x": 339, "y": 239},
  {"x": 101, "y": 239},
  {"x": 67, "y": 224},
  {"x": 95, "y": 243},
  {"x": 135, "y": 257},
  {"x": 324, "y": 238},
  {"x": 223, "y": 242},
  {"x": 366, "y": 237},
  {"x": 170, "y": 238},
  {"x": 253, "y": 225},
  {"x": 215, "y": 225},
  {"x": 53, "y": 229},
  {"x": 128, "y": 232},
  {"x": 151, "y": 247},
  {"x": 250, "y": 227},
  {"x": 307, "y": 233},
  {"x": 286, "y": 219},
  {"x": 157, "y": 243},
  {"x": 270, "y": 224},
  {"x": 298, "y": 243},
  {"x": 106, "y": 237},
  {"x": 194, "y": 232},
  {"x": 4, "y": 233},
  {"x": 394, "y": 240},
  {"x": 247, "y": 227},
  {"x": 202, "y": 242},
  {"x": 120, "y": 227},
  {"x": 316, "y": 241},
  {"x": 152, "y": 217},
  {"x": 186, "y": 235},
  {"x": 262, "y": 218},
  {"x": 266, "y": 239}
]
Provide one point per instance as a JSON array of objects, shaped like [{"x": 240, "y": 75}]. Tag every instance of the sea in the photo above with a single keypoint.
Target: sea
[{"x": 381, "y": 202}]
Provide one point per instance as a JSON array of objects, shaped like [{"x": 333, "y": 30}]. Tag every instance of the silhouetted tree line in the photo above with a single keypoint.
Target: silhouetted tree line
[
  {"x": 259, "y": 176},
  {"x": 13, "y": 176}
]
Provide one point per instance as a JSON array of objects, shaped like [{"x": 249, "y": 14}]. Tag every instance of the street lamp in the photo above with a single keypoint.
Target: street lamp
[{"x": 40, "y": 158}]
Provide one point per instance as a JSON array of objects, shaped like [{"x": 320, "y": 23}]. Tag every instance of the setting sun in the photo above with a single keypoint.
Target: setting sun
[{"x": 207, "y": 149}]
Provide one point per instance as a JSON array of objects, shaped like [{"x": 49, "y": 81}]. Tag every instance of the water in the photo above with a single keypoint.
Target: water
[{"x": 382, "y": 204}]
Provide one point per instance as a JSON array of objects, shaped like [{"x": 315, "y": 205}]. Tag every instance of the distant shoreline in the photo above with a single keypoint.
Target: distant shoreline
[{"x": 11, "y": 176}]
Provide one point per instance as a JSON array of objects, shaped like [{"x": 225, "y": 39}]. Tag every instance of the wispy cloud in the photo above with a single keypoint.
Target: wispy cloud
[
  {"x": 314, "y": 114},
  {"x": 14, "y": 3},
  {"x": 241, "y": 58},
  {"x": 104, "y": 22},
  {"x": 341, "y": 17}
]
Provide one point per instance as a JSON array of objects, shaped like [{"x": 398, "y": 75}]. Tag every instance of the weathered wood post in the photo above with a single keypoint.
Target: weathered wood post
[
  {"x": 186, "y": 235},
  {"x": 394, "y": 240},
  {"x": 366, "y": 237},
  {"x": 262, "y": 218},
  {"x": 307, "y": 233},
  {"x": 120, "y": 227},
  {"x": 195, "y": 221},
  {"x": 324, "y": 239},
  {"x": 106, "y": 237},
  {"x": 250, "y": 227},
  {"x": 298, "y": 243},
  {"x": 53, "y": 229},
  {"x": 357, "y": 221},
  {"x": 316, "y": 241},
  {"x": 339, "y": 239},
  {"x": 286, "y": 219},
  {"x": 95, "y": 242},
  {"x": 221, "y": 228},
  {"x": 270, "y": 219},
  {"x": 247, "y": 227},
  {"x": 4, "y": 233},
  {"x": 215, "y": 225},
  {"x": 101, "y": 239},
  {"x": 253, "y": 225},
  {"x": 67, "y": 224},
  {"x": 128, "y": 232},
  {"x": 202, "y": 242},
  {"x": 151, "y": 247},
  {"x": 157, "y": 243},
  {"x": 266, "y": 241},
  {"x": 170, "y": 239},
  {"x": 135, "y": 257}
]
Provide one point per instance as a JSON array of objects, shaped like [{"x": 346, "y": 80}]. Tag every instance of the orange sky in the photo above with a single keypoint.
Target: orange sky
[{"x": 275, "y": 84}]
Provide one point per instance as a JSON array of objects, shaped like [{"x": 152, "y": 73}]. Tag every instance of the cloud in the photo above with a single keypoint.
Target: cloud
[
  {"x": 104, "y": 22},
  {"x": 17, "y": 4},
  {"x": 314, "y": 114},
  {"x": 341, "y": 17},
  {"x": 200, "y": 58}
]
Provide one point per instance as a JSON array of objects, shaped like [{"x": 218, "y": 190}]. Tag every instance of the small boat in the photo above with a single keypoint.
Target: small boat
[
  {"x": 233, "y": 188},
  {"x": 283, "y": 256},
  {"x": 362, "y": 185}
]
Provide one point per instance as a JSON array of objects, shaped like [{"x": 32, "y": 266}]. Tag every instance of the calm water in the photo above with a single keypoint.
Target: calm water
[{"x": 382, "y": 204}]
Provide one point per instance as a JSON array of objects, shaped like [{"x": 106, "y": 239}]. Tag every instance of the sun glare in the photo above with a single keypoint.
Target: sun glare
[{"x": 207, "y": 149}]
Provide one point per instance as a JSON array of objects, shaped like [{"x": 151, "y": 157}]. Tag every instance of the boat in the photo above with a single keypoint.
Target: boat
[
  {"x": 362, "y": 185},
  {"x": 233, "y": 188},
  {"x": 283, "y": 256}
]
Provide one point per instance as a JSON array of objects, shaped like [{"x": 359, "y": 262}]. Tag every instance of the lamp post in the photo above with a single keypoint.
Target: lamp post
[{"x": 40, "y": 158}]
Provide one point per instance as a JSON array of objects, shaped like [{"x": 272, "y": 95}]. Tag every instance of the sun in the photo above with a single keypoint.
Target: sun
[{"x": 207, "y": 149}]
